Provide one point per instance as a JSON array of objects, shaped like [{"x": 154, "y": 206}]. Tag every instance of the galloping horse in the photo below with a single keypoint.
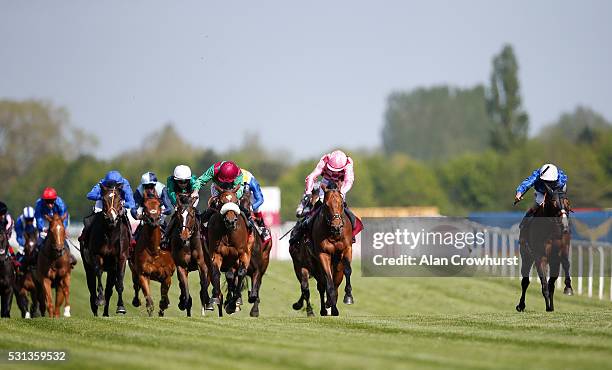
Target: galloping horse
[
  {"x": 150, "y": 262},
  {"x": 26, "y": 283},
  {"x": 54, "y": 267},
  {"x": 332, "y": 235},
  {"x": 260, "y": 258},
  {"x": 230, "y": 245},
  {"x": 547, "y": 238},
  {"x": 106, "y": 250},
  {"x": 7, "y": 275},
  {"x": 305, "y": 266},
  {"x": 188, "y": 254}
]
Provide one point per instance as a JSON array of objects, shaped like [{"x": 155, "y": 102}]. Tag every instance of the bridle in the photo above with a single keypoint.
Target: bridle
[{"x": 331, "y": 217}]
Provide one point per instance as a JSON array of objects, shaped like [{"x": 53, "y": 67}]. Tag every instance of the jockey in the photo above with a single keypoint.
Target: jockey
[
  {"x": 226, "y": 175},
  {"x": 149, "y": 181},
  {"x": 112, "y": 178},
  {"x": 549, "y": 175},
  {"x": 25, "y": 222},
  {"x": 6, "y": 221},
  {"x": 50, "y": 204},
  {"x": 335, "y": 167},
  {"x": 257, "y": 199},
  {"x": 181, "y": 182}
]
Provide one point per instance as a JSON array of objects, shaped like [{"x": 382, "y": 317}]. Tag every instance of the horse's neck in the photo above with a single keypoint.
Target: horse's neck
[{"x": 153, "y": 233}]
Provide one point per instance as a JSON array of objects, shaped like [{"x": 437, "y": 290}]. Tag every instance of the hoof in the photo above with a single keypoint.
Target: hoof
[
  {"x": 309, "y": 313},
  {"x": 252, "y": 299},
  {"x": 334, "y": 311},
  {"x": 150, "y": 311},
  {"x": 136, "y": 302},
  {"x": 298, "y": 305},
  {"x": 181, "y": 304},
  {"x": 67, "y": 311},
  {"x": 239, "y": 301},
  {"x": 27, "y": 315},
  {"x": 254, "y": 313},
  {"x": 160, "y": 313},
  {"x": 568, "y": 290},
  {"x": 550, "y": 309},
  {"x": 348, "y": 299},
  {"x": 520, "y": 307},
  {"x": 214, "y": 301},
  {"x": 203, "y": 312},
  {"x": 323, "y": 312},
  {"x": 210, "y": 306},
  {"x": 121, "y": 310}
]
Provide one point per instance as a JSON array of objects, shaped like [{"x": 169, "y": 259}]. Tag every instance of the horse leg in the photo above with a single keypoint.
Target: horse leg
[
  {"x": 48, "y": 297},
  {"x": 554, "y": 275},
  {"x": 305, "y": 293},
  {"x": 232, "y": 297},
  {"x": 217, "y": 299},
  {"x": 111, "y": 277},
  {"x": 565, "y": 262},
  {"x": 119, "y": 285},
  {"x": 321, "y": 289},
  {"x": 22, "y": 303},
  {"x": 66, "y": 291},
  {"x": 59, "y": 299},
  {"x": 99, "y": 270},
  {"x": 4, "y": 304},
  {"x": 541, "y": 263},
  {"x": 184, "y": 284},
  {"x": 256, "y": 282},
  {"x": 302, "y": 275},
  {"x": 164, "y": 301},
  {"x": 91, "y": 285},
  {"x": 243, "y": 266},
  {"x": 348, "y": 289},
  {"x": 136, "y": 284},
  {"x": 325, "y": 260},
  {"x": 339, "y": 270},
  {"x": 204, "y": 283},
  {"x": 146, "y": 291},
  {"x": 525, "y": 271}
]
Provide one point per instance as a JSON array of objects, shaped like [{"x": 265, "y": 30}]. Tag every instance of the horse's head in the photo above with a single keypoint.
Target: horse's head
[
  {"x": 245, "y": 201},
  {"x": 112, "y": 207},
  {"x": 57, "y": 233},
  {"x": 186, "y": 214},
  {"x": 31, "y": 239},
  {"x": 333, "y": 208},
  {"x": 229, "y": 206},
  {"x": 151, "y": 208}
]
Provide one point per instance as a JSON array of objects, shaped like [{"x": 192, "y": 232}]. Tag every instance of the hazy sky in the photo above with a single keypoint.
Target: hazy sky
[{"x": 306, "y": 75}]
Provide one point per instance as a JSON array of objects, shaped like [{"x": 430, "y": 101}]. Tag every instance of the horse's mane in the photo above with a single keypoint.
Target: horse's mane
[{"x": 332, "y": 186}]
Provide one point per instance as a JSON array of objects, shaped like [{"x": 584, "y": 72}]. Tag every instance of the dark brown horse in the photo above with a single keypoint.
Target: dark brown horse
[
  {"x": 260, "y": 258},
  {"x": 106, "y": 250},
  {"x": 332, "y": 235},
  {"x": 7, "y": 275},
  {"x": 230, "y": 246},
  {"x": 150, "y": 262},
  {"x": 189, "y": 254},
  {"x": 26, "y": 282},
  {"x": 543, "y": 242},
  {"x": 54, "y": 267}
]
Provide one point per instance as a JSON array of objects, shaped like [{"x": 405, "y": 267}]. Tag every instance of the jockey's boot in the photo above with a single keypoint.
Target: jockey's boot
[
  {"x": 350, "y": 215},
  {"x": 265, "y": 234}
]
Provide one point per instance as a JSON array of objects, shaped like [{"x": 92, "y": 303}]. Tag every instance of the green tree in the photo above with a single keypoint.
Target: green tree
[
  {"x": 436, "y": 123},
  {"x": 504, "y": 106},
  {"x": 581, "y": 125}
]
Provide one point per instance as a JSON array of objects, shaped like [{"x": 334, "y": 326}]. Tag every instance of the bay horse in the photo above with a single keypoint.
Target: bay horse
[
  {"x": 332, "y": 235},
  {"x": 260, "y": 259},
  {"x": 26, "y": 282},
  {"x": 106, "y": 250},
  {"x": 150, "y": 262},
  {"x": 189, "y": 254},
  {"x": 53, "y": 268},
  {"x": 545, "y": 240},
  {"x": 7, "y": 275},
  {"x": 230, "y": 244}
]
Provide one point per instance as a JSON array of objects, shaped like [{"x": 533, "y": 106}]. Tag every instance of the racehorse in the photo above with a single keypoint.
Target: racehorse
[
  {"x": 7, "y": 275},
  {"x": 230, "y": 245},
  {"x": 188, "y": 254},
  {"x": 106, "y": 250},
  {"x": 150, "y": 262},
  {"x": 260, "y": 258},
  {"x": 546, "y": 239},
  {"x": 53, "y": 268},
  {"x": 26, "y": 282},
  {"x": 332, "y": 235}
]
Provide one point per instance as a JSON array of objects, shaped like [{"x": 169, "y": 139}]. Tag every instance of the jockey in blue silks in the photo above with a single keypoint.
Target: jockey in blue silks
[
  {"x": 149, "y": 181},
  {"x": 112, "y": 178},
  {"x": 24, "y": 224},
  {"x": 257, "y": 199}
]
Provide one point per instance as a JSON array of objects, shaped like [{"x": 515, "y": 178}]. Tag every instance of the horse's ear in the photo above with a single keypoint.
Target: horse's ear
[
  {"x": 48, "y": 218},
  {"x": 236, "y": 188},
  {"x": 218, "y": 189},
  {"x": 324, "y": 187},
  {"x": 103, "y": 188}
]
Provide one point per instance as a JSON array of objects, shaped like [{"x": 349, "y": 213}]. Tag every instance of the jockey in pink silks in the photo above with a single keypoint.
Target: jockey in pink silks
[{"x": 335, "y": 167}]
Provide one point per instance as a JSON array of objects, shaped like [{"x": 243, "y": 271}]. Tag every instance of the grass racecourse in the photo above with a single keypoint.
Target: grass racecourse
[{"x": 395, "y": 323}]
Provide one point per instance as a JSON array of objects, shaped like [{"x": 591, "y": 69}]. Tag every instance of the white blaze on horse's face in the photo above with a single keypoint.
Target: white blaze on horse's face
[{"x": 228, "y": 197}]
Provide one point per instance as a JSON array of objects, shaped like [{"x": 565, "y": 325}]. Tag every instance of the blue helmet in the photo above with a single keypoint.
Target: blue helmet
[
  {"x": 112, "y": 178},
  {"x": 148, "y": 178},
  {"x": 28, "y": 212}
]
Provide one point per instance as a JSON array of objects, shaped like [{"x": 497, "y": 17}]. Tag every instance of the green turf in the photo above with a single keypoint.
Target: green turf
[{"x": 396, "y": 323}]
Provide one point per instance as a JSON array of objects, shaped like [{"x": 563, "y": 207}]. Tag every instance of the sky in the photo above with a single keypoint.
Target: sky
[{"x": 305, "y": 76}]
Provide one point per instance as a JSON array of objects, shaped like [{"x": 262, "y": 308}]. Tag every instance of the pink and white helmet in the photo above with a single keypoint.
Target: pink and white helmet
[{"x": 337, "y": 161}]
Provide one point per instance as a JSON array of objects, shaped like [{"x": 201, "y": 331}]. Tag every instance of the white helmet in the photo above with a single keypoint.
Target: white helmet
[
  {"x": 148, "y": 178},
  {"x": 182, "y": 172},
  {"x": 28, "y": 212},
  {"x": 549, "y": 172}
]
